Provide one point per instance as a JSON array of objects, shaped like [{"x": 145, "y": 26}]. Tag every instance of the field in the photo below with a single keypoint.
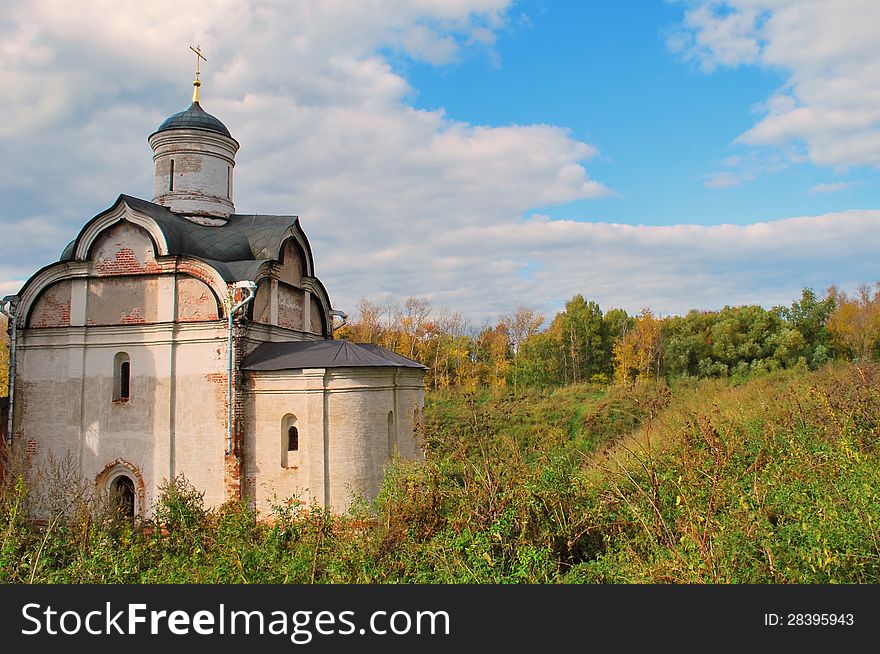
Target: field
[{"x": 772, "y": 480}]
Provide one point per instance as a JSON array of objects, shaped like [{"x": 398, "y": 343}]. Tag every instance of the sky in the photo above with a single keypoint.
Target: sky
[{"x": 482, "y": 154}]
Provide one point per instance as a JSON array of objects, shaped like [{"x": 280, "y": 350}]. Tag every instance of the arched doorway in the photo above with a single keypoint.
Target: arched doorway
[
  {"x": 122, "y": 485},
  {"x": 122, "y": 495}
]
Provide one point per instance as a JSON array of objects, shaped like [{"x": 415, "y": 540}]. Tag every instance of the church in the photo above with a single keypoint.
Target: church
[{"x": 178, "y": 337}]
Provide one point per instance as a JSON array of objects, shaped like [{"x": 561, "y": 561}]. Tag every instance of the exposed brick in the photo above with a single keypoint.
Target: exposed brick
[
  {"x": 124, "y": 263},
  {"x": 133, "y": 318}
]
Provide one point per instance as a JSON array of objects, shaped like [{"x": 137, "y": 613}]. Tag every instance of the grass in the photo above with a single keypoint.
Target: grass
[{"x": 772, "y": 480}]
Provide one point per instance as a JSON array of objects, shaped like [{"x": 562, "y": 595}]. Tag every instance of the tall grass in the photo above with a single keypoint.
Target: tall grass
[{"x": 768, "y": 481}]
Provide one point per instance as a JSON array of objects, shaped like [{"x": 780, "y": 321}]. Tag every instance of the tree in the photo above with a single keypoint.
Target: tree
[
  {"x": 492, "y": 354},
  {"x": 810, "y": 317},
  {"x": 522, "y": 325},
  {"x": 637, "y": 356},
  {"x": 854, "y": 324},
  {"x": 581, "y": 334}
]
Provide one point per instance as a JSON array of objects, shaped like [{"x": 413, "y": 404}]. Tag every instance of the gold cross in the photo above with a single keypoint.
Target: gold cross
[{"x": 197, "y": 83}]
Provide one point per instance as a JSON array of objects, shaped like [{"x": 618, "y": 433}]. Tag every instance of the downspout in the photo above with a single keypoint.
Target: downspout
[
  {"x": 336, "y": 313},
  {"x": 251, "y": 289},
  {"x": 7, "y": 308}
]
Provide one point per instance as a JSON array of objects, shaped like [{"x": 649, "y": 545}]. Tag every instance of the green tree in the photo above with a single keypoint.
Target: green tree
[
  {"x": 581, "y": 333},
  {"x": 809, "y": 316}
]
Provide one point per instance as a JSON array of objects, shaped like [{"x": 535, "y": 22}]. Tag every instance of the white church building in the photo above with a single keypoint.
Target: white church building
[{"x": 177, "y": 336}]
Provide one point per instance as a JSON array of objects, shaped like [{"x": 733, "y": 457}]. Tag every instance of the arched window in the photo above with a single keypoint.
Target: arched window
[
  {"x": 171, "y": 177},
  {"x": 122, "y": 496},
  {"x": 121, "y": 377},
  {"x": 289, "y": 442}
]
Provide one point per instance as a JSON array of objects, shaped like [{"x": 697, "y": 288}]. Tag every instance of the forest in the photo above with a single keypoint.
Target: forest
[
  {"x": 734, "y": 446},
  {"x": 584, "y": 344}
]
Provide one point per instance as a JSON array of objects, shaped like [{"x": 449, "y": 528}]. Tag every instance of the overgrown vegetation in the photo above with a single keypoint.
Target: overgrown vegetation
[{"x": 770, "y": 480}]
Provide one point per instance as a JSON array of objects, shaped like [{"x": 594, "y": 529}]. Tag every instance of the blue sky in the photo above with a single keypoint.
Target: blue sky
[
  {"x": 604, "y": 70},
  {"x": 482, "y": 154}
]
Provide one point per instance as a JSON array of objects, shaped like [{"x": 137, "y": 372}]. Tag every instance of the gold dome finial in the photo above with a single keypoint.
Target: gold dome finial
[{"x": 196, "y": 82}]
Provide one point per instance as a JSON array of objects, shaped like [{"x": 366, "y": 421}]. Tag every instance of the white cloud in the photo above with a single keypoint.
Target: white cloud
[
  {"x": 396, "y": 201},
  {"x": 829, "y": 105},
  {"x": 485, "y": 270},
  {"x": 834, "y": 187},
  {"x": 724, "y": 179}
]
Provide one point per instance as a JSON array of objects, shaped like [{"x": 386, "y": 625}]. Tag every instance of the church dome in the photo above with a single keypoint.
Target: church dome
[{"x": 194, "y": 118}]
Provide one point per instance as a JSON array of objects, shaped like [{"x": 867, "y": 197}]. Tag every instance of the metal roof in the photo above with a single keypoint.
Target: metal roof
[
  {"x": 236, "y": 249},
  {"x": 194, "y": 118},
  {"x": 323, "y": 354}
]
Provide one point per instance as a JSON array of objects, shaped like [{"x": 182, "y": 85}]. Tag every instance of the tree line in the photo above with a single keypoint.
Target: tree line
[{"x": 583, "y": 343}]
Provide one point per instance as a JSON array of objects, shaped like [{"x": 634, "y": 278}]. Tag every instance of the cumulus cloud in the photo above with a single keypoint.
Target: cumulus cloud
[
  {"x": 669, "y": 268},
  {"x": 307, "y": 88},
  {"x": 396, "y": 201},
  {"x": 828, "y": 109}
]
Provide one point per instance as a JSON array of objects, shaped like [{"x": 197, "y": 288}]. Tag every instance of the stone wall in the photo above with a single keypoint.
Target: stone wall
[
  {"x": 172, "y": 423},
  {"x": 345, "y": 436}
]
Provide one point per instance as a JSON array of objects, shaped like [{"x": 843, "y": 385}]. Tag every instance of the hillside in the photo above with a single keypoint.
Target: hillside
[{"x": 769, "y": 481}]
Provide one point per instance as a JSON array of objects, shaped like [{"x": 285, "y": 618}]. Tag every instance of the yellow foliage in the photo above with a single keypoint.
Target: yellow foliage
[
  {"x": 637, "y": 352},
  {"x": 854, "y": 325}
]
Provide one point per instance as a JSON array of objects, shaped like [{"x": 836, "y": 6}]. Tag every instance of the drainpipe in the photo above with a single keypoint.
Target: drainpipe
[
  {"x": 251, "y": 289},
  {"x": 7, "y": 308},
  {"x": 336, "y": 313}
]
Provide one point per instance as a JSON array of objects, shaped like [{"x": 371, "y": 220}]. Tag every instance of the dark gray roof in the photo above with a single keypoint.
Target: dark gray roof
[
  {"x": 323, "y": 354},
  {"x": 194, "y": 118},
  {"x": 236, "y": 249}
]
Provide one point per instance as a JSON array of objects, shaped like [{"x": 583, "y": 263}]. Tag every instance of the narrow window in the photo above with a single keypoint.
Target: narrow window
[
  {"x": 229, "y": 182},
  {"x": 289, "y": 442},
  {"x": 171, "y": 177},
  {"x": 124, "y": 380},
  {"x": 121, "y": 377}
]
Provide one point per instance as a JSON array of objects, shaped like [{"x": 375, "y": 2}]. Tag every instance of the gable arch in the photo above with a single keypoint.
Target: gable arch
[
  {"x": 299, "y": 237},
  {"x": 117, "y": 213},
  {"x": 293, "y": 262},
  {"x": 123, "y": 248}
]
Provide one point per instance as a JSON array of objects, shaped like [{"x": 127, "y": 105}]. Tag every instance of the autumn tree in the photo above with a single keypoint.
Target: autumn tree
[
  {"x": 854, "y": 324},
  {"x": 637, "y": 355},
  {"x": 491, "y": 355}
]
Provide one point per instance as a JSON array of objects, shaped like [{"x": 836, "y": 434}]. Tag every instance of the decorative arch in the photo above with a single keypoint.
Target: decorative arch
[
  {"x": 118, "y": 212},
  {"x": 41, "y": 280},
  {"x": 105, "y": 480},
  {"x": 289, "y": 246},
  {"x": 297, "y": 234},
  {"x": 316, "y": 288}
]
